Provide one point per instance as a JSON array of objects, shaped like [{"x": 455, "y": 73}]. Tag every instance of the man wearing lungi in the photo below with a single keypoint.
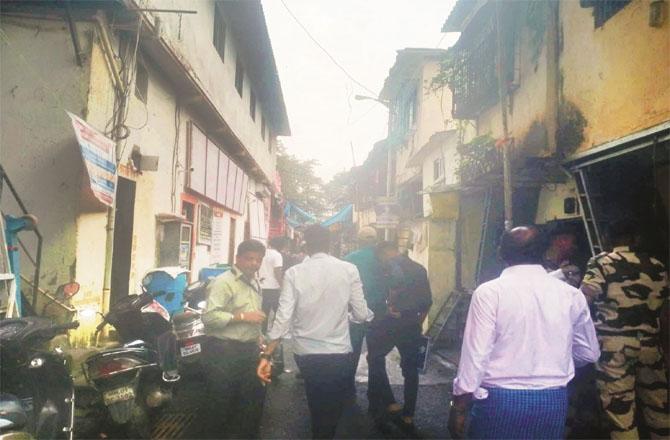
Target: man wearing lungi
[{"x": 524, "y": 332}]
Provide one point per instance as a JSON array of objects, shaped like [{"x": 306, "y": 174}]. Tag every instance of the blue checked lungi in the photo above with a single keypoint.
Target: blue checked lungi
[{"x": 527, "y": 414}]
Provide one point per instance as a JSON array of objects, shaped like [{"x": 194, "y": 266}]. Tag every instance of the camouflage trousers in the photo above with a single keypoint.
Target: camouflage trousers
[{"x": 631, "y": 370}]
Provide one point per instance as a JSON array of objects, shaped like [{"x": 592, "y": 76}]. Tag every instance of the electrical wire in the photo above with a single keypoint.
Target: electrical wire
[{"x": 326, "y": 51}]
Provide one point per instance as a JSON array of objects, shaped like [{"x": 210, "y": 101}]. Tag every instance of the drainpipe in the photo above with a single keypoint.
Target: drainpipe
[
  {"x": 502, "y": 95},
  {"x": 122, "y": 98},
  {"x": 551, "y": 110},
  {"x": 389, "y": 175}
]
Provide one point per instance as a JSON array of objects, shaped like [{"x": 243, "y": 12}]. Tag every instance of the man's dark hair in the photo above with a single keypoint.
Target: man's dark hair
[
  {"x": 556, "y": 229},
  {"x": 251, "y": 246},
  {"x": 385, "y": 245},
  {"x": 278, "y": 243},
  {"x": 623, "y": 229},
  {"x": 317, "y": 239},
  {"x": 523, "y": 245}
]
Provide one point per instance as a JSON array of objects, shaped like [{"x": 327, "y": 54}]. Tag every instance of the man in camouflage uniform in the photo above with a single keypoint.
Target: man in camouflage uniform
[{"x": 627, "y": 290}]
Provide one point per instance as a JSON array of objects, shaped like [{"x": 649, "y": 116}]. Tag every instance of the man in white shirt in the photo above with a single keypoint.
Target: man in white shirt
[
  {"x": 524, "y": 333},
  {"x": 270, "y": 275},
  {"x": 314, "y": 304}
]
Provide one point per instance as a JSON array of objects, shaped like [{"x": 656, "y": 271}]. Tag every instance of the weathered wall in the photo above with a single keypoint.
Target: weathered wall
[
  {"x": 40, "y": 81},
  {"x": 471, "y": 218},
  {"x": 616, "y": 75},
  {"x": 191, "y": 37},
  {"x": 441, "y": 262},
  {"x": 434, "y": 112},
  {"x": 527, "y": 103}
]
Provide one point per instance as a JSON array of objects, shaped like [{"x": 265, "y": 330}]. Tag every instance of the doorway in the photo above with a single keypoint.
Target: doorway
[{"x": 123, "y": 239}]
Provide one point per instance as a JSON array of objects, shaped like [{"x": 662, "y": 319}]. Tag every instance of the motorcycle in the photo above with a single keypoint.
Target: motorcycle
[
  {"x": 137, "y": 377},
  {"x": 189, "y": 328},
  {"x": 37, "y": 393}
]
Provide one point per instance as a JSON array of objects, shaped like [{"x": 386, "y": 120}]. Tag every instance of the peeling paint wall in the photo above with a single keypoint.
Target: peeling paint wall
[
  {"x": 618, "y": 75},
  {"x": 40, "y": 81},
  {"x": 528, "y": 102}
]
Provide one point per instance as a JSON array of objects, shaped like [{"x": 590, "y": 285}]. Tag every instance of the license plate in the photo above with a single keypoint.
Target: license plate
[
  {"x": 117, "y": 395},
  {"x": 190, "y": 350}
]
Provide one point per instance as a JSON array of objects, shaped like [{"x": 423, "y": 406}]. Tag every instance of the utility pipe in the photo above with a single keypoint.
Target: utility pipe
[
  {"x": 122, "y": 97},
  {"x": 502, "y": 94}
]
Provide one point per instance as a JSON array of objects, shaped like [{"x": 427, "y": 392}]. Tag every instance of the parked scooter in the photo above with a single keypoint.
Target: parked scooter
[
  {"x": 189, "y": 328},
  {"x": 37, "y": 393},
  {"x": 137, "y": 377}
]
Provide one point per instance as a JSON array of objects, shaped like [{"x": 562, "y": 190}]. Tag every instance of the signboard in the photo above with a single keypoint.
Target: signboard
[
  {"x": 98, "y": 152},
  {"x": 386, "y": 216},
  {"x": 217, "y": 252}
]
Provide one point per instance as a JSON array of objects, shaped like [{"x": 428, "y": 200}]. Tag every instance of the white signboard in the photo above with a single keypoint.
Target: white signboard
[
  {"x": 98, "y": 152},
  {"x": 218, "y": 252}
]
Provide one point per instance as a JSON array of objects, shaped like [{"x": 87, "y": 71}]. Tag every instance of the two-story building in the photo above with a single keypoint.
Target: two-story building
[
  {"x": 585, "y": 106},
  {"x": 190, "y": 96},
  {"x": 422, "y": 167}
]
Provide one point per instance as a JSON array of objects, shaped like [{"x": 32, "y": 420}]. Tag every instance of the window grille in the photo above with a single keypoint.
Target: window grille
[
  {"x": 239, "y": 76},
  {"x": 219, "y": 38},
  {"x": 603, "y": 10}
]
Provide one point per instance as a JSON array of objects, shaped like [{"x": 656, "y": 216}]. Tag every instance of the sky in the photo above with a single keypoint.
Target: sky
[{"x": 363, "y": 37}]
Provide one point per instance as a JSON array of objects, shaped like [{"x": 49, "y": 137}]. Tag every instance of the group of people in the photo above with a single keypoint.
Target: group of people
[
  {"x": 526, "y": 332},
  {"x": 328, "y": 306}
]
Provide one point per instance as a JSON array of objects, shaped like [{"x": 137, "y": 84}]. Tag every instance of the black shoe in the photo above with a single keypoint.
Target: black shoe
[{"x": 409, "y": 429}]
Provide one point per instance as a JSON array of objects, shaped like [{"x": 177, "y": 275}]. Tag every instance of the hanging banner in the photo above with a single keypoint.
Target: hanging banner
[{"x": 98, "y": 152}]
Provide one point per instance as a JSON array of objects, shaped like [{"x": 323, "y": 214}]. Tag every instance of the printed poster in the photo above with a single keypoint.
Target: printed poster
[{"x": 99, "y": 154}]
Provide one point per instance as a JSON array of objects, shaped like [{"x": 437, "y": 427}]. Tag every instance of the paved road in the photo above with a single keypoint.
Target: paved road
[{"x": 286, "y": 414}]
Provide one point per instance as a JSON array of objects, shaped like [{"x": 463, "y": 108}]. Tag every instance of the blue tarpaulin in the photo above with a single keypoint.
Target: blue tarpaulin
[{"x": 344, "y": 216}]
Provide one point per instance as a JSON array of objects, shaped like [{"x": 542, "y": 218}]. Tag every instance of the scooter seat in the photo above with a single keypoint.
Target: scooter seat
[
  {"x": 138, "y": 343},
  {"x": 12, "y": 414}
]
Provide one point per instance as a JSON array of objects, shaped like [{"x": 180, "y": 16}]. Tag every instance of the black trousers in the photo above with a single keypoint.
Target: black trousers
[
  {"x": 235, "y": 394},
  {"x": 382, "y": 336},
  {"x": 326, "y": 377},
  {"x": 270, "y": 304},
  {"x": 356, "y": 334}
]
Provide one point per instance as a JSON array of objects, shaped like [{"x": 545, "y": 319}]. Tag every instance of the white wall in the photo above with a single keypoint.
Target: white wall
[
  {"x": 191, "y": 36},
  {"x": 39, "y": 82}
]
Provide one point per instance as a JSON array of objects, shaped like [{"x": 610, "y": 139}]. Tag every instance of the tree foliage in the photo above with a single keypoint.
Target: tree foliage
[
  {"x": 300, "y": 184},
  {"x": 339, "y": 192}
]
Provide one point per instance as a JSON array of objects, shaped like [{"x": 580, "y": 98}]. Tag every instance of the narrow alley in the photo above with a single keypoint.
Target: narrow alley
[{"x": 334, "y": 219}]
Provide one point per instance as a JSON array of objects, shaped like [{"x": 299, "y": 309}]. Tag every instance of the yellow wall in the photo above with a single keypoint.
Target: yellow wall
[
  {"x": 527, "y": 103},
  {"x": 617, "y": 75}
]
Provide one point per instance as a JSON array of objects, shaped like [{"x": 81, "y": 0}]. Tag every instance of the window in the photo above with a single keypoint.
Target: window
[
  {"x": 212, "y": 173},
  {"x": 438, "y": 168},
  {"x": 603, "y": 10},
  {"x": 269, "y": 141},
  {"x": 219, "y": 38},
  {"x": 252, "y": 104},
  {"x": 141, "y": 82},
  {"x": 262, "y": 126},
  {"x": 197, "y": 160},
  {"x": 404, "y": 111},
  {"x": 239, "y": 76}
]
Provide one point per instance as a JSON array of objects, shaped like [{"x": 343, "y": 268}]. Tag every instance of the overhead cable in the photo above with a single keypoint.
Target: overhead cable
[{"x": 326, "y": 51}]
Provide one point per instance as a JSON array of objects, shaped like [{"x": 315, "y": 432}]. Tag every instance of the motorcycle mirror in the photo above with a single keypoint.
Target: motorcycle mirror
[
  {"x": 70, "y": 289},
  {"x": 30, "y": 222}
]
